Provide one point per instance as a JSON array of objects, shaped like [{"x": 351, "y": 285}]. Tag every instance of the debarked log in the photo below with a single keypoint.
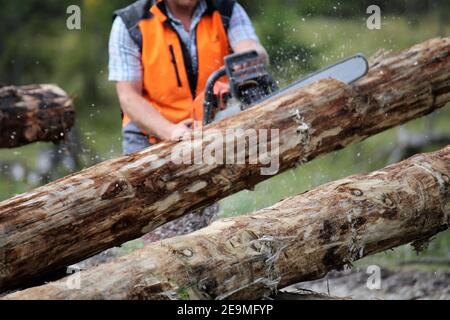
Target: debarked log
[
  {"x": 119, "y": 200},
  {"x": 34, "y": 113},
  {"x": 301, "y": 238}
]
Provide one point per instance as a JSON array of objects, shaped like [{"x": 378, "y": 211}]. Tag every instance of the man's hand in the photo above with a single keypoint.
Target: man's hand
[{"x": 176, "y": 132}]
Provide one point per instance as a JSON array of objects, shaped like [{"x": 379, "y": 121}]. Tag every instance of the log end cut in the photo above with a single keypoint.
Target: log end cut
[{"x": 34, "y": 113}]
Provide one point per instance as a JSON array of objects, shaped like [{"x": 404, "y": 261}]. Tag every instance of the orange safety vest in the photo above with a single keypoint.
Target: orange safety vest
[{"x": 169, "y": 83}]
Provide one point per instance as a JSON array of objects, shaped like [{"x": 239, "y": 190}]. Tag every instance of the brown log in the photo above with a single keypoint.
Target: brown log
[
  {"x": 119, "y": 200},
  {"x": 298, "y": 239},
  {"x": 34, "y": 113}
]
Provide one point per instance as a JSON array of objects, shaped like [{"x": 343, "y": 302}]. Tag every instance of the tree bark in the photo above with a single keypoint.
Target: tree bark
[
  {"x": 119, "y": 200},
  {"x": 298, "y": 239},
  {"x": 34, "y": 113}
]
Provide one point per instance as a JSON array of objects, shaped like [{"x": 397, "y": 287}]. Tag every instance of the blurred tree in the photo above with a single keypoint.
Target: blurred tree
[
  {"x": 339, "y": 8},
  {"x": 34, "y": 36},
  {"x": 21, "y": 29},
  {"x": 37, "y": 46}
]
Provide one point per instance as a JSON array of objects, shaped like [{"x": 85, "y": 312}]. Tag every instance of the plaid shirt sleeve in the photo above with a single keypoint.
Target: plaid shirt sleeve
[
  {"x": 241, "y": 27},
  {"x": 124, "y": 55}
]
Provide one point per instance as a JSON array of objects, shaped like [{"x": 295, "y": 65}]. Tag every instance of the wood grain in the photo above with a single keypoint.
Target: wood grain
[{"x": 122, "y": 199}]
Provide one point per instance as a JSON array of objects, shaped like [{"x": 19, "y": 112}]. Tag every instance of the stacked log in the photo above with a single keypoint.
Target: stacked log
[
  {"x": 119, "y": 200},
  {"x": 298, "y": 239},
  {"x": 34, "y": 113}
]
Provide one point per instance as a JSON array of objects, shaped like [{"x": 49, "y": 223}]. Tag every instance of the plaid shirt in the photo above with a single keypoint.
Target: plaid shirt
[{"x": 125, "y": 56}]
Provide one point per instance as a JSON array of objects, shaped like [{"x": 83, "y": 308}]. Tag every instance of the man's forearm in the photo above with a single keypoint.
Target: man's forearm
[
  {"x": 146, "y": 117},
  {"x": 247, "y": 45}
]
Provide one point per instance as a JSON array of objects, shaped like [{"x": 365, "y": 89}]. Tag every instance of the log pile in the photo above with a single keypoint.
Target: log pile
[
  {"x": 298, "y": 239},
  {"x": 119, "y": 200}
]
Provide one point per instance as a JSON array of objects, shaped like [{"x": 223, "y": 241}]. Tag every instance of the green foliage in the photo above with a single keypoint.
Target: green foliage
[
  {"x": 290, "y": 56},
  {"x": 39, "y": 48},
  {"x": 344, "y": 8}
]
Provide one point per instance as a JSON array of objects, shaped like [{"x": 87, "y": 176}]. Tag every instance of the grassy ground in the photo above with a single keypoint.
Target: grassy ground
[{"x": 328, "y": 41}]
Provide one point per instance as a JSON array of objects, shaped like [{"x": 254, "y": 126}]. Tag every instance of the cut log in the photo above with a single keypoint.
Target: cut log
[
  {"x": 119, "y": 200},
  {"x": 298, "y": 239},
  {"x": 34, "y": 113}
]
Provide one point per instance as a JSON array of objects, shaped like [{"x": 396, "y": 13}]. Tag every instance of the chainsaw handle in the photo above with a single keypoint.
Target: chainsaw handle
[{"x": 209, "y": 93}]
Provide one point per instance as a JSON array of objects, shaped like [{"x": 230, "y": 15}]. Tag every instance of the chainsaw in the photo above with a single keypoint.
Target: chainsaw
[{"x": 249, "y": 83}]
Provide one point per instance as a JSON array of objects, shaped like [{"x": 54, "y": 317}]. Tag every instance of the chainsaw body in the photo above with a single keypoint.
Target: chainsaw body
[{"x": 249, "y": 82}]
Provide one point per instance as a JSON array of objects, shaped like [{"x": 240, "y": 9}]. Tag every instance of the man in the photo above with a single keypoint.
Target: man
[{"x": 161, "y": 55}]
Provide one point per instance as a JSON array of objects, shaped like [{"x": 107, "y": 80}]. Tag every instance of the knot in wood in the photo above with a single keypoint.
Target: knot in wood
[
  {"x": 114, "y": 189},
  {"x": 446, "y": 179},
  {"x": 187, "y": 253},
  {"x": 388, "y": 201},
  {"x": 356, "y": 192}
]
